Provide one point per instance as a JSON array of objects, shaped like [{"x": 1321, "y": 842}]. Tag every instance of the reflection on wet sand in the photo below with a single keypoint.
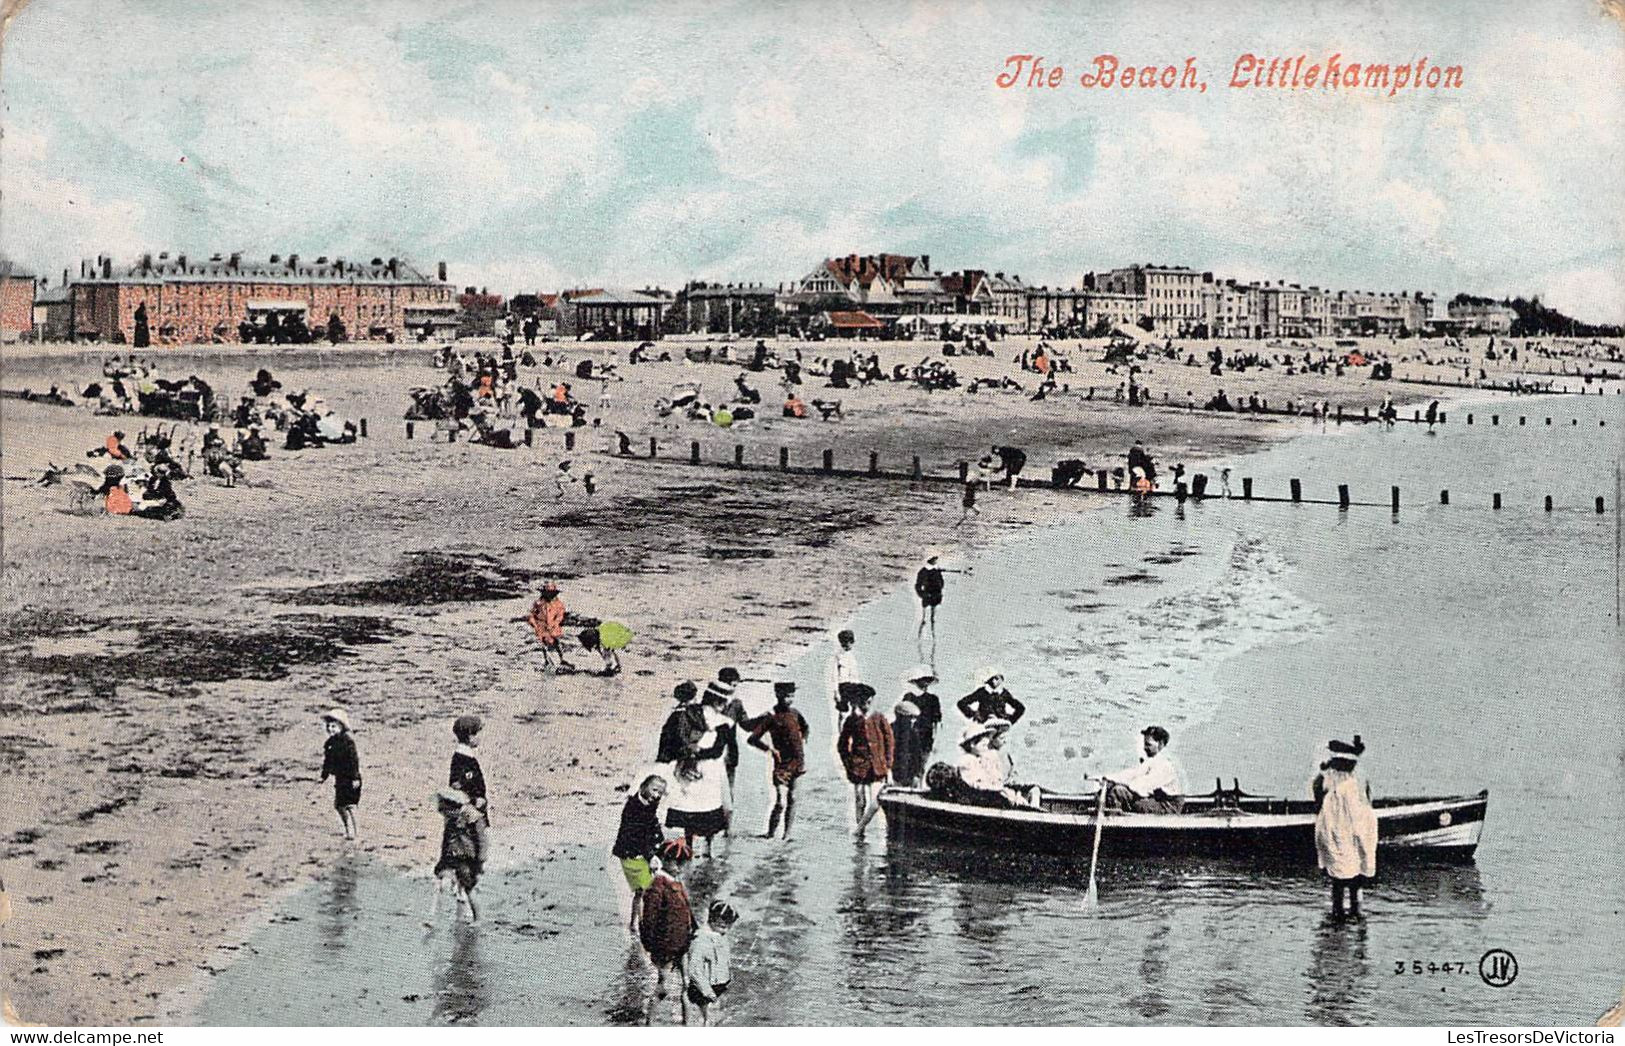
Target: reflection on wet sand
[
  {"x": 1338, "y": 973},
  {"x": 460, "y": 989},
  {"x": 338, "y": 909}
]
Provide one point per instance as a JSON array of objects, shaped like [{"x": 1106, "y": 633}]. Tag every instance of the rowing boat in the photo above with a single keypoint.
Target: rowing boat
[{"x": 1224, "y": 824}]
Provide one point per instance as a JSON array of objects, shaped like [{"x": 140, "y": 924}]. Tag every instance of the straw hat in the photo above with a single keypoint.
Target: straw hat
[
  {"x": 919, "y": 672},
  {"x": 339, "y": 716},
  {"x": 976, "y": 732},
  {"x": 989, "y": 672}
]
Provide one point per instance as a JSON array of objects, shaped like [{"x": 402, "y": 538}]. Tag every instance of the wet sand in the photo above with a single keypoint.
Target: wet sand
[{"x": 162, "y": 680}]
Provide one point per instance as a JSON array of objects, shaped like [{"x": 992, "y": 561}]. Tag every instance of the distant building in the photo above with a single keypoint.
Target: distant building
[
  {"x": 1172, "y": 293},
  {"x": 193, "y": 300},
  {"x": 613, "y": 312},
  {"x": 16, "y": 301},
  {"x": 892, "y": 284},
  {"x": 1081, "y": 311},
  {"x": 1483, "y": 319},
  {"x": 727, "y": 308},
  {"x": 976, "y": 292},
  {"x": 1230, "y": 309},
  {"x": 53, "y": 312}
]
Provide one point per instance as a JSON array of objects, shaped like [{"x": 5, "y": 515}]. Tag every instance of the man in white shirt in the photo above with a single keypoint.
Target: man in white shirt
[{"x": 1152, "y": 787}]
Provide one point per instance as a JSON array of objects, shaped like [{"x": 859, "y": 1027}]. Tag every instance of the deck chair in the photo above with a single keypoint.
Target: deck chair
[{"x": 829, "y": 410}]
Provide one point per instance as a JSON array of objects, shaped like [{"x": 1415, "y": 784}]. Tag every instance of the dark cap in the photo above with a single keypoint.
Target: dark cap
[
  {"x": 1345, "y": 748},
  {"x": 729, "y": 674},
  {"x": 782, "y": 690},
  {"x": 1156, "y": 733},
  {"x": 466, "y": 727}
]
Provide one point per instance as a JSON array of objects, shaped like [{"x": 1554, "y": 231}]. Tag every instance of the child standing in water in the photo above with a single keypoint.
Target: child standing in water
[
  {"x": 340, "y": 761},
  {"x": 464, "y": 846},
  {"x": 667, "y": 926},
  {"x": 1345, "y": 827},
  {"x": 639, "y": 839},
  {"x": 708, "y": 961},
  {"x": 466, "y": 775}
]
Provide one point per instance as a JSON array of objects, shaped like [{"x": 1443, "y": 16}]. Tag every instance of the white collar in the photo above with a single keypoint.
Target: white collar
[{"x": 463, "y": 749}]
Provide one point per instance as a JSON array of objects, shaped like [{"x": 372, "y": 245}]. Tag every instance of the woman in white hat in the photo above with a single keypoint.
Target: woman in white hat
[
  {"x": 985, "y": 768},
  {"x": 341, "y": 762}
]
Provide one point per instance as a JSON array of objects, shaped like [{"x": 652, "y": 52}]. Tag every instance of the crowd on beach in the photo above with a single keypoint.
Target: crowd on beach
[{"x": 140, "y": 481}]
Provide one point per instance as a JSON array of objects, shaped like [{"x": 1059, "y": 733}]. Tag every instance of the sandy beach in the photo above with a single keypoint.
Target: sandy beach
[{"x": 163, "y": 679}]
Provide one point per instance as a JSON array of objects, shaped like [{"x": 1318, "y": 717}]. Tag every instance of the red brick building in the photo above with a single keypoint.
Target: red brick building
[
  {"x": 16, "y": 302},
  {"x": 196, "y": 300}
]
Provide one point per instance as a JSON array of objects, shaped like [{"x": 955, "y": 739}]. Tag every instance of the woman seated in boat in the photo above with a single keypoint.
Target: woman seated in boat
[
  {"x": 985, "y": 770},
  {"x": 1151, "y": 786}
]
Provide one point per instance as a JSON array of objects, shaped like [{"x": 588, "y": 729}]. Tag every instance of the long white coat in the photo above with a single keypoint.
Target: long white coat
[{"x": 1345, "y": 827}]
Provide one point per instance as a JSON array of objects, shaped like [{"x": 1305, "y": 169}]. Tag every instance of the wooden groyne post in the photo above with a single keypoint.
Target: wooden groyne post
[
  {"x": 1297, "y": 491},
  {"x": 829, "y": 461},
  {"x": 1246, "y": 488},
  {"x": 653, "y": 446},
  {"x": 570, "y": 440},
  {"x": 1393, "y": 498},
  {"x": 739, "y": 455},
  {"x": 409, "y": 430},
  {"x": 1444, "y": 497},
  {"x": 1342, "y": 495},
  {"x": 784, "y": 459},
  {"x": 694, "y": 452},
  {"x": 874, "y": 463},
  {"x": 915, "y": 471},
  {"x": 364, "y": 428},
  {"x": 1495, "y": 500}
]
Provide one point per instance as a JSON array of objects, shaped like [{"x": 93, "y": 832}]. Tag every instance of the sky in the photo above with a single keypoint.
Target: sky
[{"x": 540, "y": 145}]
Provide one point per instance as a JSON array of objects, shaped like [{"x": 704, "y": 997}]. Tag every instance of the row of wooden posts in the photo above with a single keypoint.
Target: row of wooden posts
[
  {"x": 1495, "y": 419},
  {"x": 1560, "y": 390},
  {"x": 1197, "y": 491},
  {"x": 451, "y": 435}
]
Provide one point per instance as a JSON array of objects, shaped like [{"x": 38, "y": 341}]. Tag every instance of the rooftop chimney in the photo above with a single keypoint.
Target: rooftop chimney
[
  {"x": 276, "y": 259},
  {"x": 107, "y": 268},
  {"x": 442, "y": 272},
  {"x": 180, "y": 260},
  {"x": 293, "y": 262},
  {"x": 236, "y": 260},
  {"x": 394, "y": 266},
  {"x": 146, "y": 262}
]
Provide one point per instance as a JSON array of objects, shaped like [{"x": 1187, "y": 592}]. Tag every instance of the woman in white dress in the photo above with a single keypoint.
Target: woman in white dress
[{"x": 699, "y": 782}]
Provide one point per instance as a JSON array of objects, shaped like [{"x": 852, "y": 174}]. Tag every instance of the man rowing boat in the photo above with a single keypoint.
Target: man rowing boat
[{"x": 1151, "y": 786}]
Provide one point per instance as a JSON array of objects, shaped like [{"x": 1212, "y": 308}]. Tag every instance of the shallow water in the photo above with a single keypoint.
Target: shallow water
[{"x": 1470, "y": 648}]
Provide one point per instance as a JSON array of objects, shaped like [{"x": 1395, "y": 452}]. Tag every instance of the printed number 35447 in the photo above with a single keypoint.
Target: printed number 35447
[{"x": 1417, "y": 967}]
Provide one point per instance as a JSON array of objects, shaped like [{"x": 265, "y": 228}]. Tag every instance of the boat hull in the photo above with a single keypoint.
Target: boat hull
[{"x": 1436, "y": 829}]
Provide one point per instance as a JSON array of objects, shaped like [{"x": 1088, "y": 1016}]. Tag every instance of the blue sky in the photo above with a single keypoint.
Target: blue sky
[{"x": 537, "y": 145}]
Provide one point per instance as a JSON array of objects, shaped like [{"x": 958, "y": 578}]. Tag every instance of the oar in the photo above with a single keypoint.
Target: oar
[{"x": 1091, "y": 896}]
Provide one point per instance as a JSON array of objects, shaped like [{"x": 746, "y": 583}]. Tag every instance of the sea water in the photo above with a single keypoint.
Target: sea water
[{"x": 1470, "y": 648}]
